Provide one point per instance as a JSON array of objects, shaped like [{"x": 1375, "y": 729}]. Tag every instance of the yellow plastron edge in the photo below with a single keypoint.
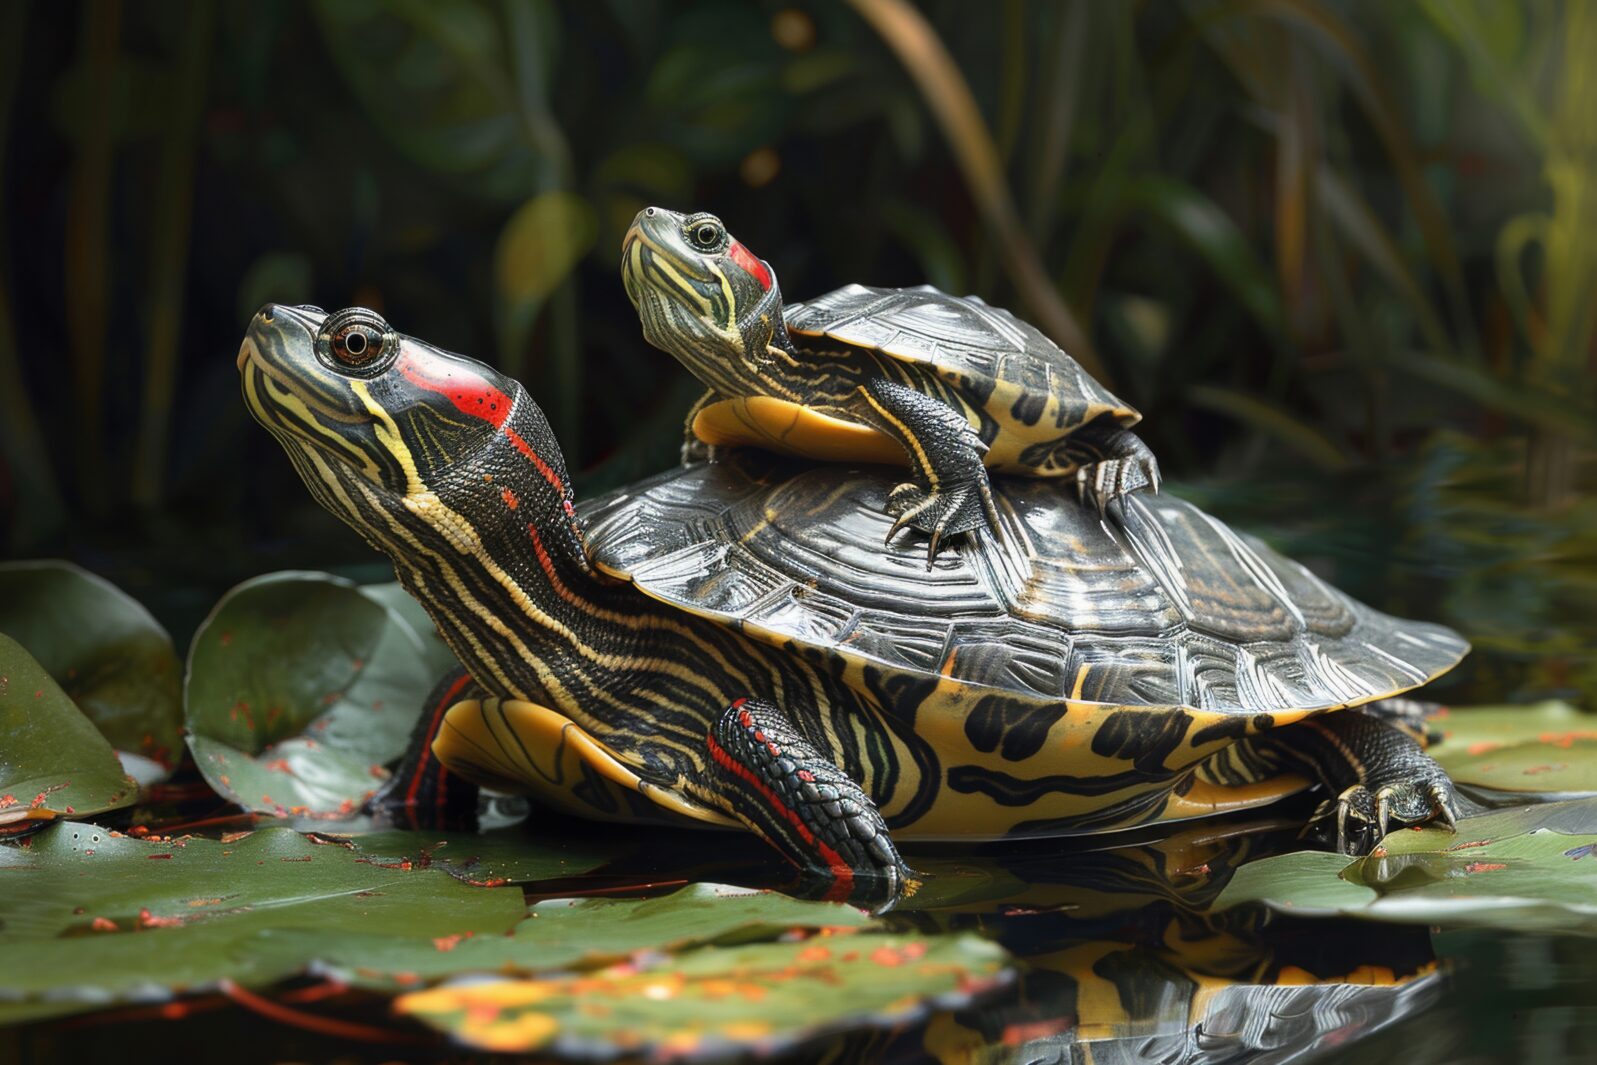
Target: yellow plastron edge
[
  {"x": 522, "y": 747},
  {"x": 778, "y": 425},
  {"x": 1206, "y": 798}
]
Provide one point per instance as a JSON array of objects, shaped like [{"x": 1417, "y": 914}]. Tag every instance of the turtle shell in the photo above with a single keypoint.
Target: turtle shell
[
  {"x": 1164, "y": 607},
  {"x": 979, "y": 348},
  {"x": 1082, "y": 675}
]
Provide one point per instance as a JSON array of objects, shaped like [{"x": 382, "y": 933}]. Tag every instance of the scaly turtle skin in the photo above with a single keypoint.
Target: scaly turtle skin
[
  {"x": 727, "y": 643},
  {"x": 950, "y": 384}
]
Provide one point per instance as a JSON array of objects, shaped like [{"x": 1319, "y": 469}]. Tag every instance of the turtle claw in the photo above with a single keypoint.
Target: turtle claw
[
  {"x": 941, "y": 513},
  {"x": 1107, "y": 480},
  {"x": 1407, "y": 803},
  {"x": 1355, "y": 802},
  {"x": 1442, "y": 803}
]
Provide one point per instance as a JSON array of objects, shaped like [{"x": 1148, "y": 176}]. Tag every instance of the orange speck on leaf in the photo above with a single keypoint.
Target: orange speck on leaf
[{"x": 1484, "y": 867}]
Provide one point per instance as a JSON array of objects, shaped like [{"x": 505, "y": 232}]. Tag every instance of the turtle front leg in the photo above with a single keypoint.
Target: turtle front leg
[
  {"x": 1374, "y": 772},
  {"x": 422, "y": 794},
  {"x": 799, "y": 801},
  {"x": 1114, "y": 463},
  {"x": 951, "y": 492}
]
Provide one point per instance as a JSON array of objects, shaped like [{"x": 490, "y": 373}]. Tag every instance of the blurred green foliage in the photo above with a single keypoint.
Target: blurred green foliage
[{"x": 1337, "y": 251}]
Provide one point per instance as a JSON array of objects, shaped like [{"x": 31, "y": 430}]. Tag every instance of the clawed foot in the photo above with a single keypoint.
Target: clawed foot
[
  {"x": 1106, "y": 480},
  {"x": 940, "y": 513},
  {"x": 1363, "y": 817},
  {"x": 802, "y": 803},
  {"x": 695, "y": 450}
]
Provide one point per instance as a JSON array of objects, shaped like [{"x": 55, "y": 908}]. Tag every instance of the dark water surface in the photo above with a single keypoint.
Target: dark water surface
[{"x": 1125, "y": 959}]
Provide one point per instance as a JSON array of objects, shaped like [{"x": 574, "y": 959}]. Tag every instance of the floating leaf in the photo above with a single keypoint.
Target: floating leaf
[
  {"x": 516, "y": 855},
  {"x": 108, "y": 653},
  {"x": 439, "y": 658},
  {"x": 299, "y": 688},
  {"x": 53, "y": 760},
  {"x": 566, "y": 933},
  {"x": 103, "y": 918},
  {"x": 720, "y": 1001},
  {"x": 1529, "y": 867},
  {"x": 1547, "y": 747},
  {"x": 1303, "y": 883}
]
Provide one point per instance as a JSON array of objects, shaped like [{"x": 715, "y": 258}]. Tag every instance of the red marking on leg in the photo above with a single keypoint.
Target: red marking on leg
[
  {"x": 737, "y": 703},
  {"x": 510, "y": 498},
  {"x": 806, "y": 776},
  {"x": 443, "y": 704},
  {"x": 842, "y": 872},
  {"x": 747, "y": 259}
]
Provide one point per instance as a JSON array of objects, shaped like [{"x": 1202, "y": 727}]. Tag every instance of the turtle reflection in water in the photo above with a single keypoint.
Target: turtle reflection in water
[
  {"x": 1124, "y": 959},
  {"x": 728, "y": 644}
]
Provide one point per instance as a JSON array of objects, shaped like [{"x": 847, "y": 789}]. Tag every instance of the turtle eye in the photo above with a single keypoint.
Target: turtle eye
[
  {"x": 356, "y": 339},
  {"x": 706, "y": 234}
]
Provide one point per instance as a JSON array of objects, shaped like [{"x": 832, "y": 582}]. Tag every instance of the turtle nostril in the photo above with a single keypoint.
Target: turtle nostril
[
  {"x": 265, "y": 314},
  {"x": 649, "y": 213}
]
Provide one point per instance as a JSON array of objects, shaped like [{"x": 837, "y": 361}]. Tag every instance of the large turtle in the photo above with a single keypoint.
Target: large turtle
[
  {"x": 727, "y": 643},
  {"x": 949, "y": 384}
]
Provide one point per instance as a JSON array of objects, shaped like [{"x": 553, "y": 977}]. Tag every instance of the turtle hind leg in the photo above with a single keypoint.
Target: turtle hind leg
[
  {"x": 776, "y": 782},
  {"x": 951, "y": 492},
  {"x": 422, "y": 794},
  {"x": 1114, "y": 463},
  {"x": 1375, "y": 773}
]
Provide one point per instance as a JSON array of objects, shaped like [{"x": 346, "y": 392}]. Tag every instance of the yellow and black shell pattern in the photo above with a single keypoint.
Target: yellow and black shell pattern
[
  {"x": 1029, "y": 394},
  {"x": 1079, "y": 676}
]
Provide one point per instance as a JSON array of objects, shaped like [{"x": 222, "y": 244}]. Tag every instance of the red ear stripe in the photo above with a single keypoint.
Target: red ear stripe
[
  {"x": 745, "y": 258},
  {"x": 468, "y": 392},
  {"x": 474, "y": 396}
]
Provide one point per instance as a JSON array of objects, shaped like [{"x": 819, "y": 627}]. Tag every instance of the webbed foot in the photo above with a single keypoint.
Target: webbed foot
[
  {"x": 1378, "y": 772},
  {"x": 1364, "y": 817},
  {"x": 943, "y": 512},
  {"x": 799, "y": 801},
  {"x": 1107, "y": 480}
]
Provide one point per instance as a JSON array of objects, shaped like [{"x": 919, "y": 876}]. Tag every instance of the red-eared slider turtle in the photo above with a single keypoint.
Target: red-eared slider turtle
[
  {"x": 948, "y": 383},
  {"x": 728, "y": 643}
]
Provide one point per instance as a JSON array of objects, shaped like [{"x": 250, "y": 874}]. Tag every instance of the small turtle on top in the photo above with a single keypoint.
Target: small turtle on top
[{"x": 951, "y": 384}]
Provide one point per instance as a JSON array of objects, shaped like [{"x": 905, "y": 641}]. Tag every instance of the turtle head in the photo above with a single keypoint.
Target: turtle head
[
  {"x": 703, "y": 297},
  {"x": 388, "y": 431}
]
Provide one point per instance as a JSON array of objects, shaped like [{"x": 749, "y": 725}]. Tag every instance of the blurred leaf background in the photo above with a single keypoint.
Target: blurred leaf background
[{"x": 1339, "y": 252}]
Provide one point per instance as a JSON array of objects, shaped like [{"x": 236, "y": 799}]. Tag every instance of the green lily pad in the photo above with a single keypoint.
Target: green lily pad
[
  {"x": 1546, "y": 747},
  {"x": 720, "y": 1001},
  {"x": 299, "y": 689},
  {"x": 439, "y": 658},
  {"x": 569, "y": 933},
  {"x": 1306, "y": 883},
  {"x": 1532, "y": 867},
  {"x": 107, "y": 652},
  {"x": 517, "y": 855},
  {"x": 104, "y": 918},
  {"x": 53, "y": 761}
]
